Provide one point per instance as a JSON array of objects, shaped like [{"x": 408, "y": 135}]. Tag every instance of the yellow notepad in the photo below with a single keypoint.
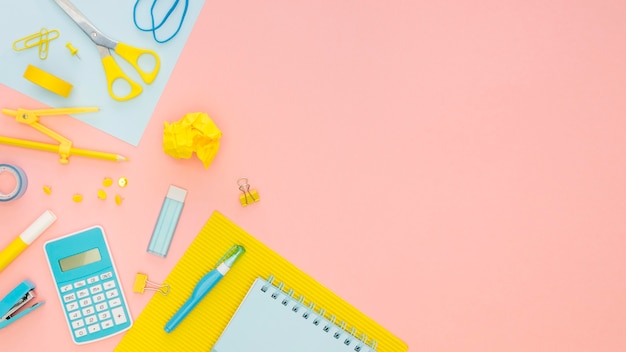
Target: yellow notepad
[{"x": 203, "y": 326}]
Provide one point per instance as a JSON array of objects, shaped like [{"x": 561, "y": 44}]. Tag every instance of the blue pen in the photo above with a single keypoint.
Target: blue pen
[{"x": 205, "y": 285}]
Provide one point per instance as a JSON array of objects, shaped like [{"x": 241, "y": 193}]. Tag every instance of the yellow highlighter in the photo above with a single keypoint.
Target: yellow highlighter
[{"x": 26, "y": 238}]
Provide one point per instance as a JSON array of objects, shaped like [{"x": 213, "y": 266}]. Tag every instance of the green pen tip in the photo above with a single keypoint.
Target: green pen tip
[{"x": 234, "y": 253}]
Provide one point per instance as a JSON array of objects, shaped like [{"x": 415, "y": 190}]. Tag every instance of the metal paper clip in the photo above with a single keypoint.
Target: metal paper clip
[
  {"x": 40, "y": 39},
  {"x": 247, "y": 196},
  {"x": 142, "y": 283}
]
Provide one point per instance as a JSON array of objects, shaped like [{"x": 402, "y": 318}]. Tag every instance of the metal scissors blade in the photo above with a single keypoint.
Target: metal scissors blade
[{"x": 90, "y": 30}]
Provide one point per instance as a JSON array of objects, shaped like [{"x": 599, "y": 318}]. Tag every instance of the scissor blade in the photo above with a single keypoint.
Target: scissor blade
[{"x": 90, "y": 30}]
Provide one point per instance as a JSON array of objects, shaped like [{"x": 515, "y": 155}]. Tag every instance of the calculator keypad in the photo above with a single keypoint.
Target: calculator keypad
[{"x": 93, "y": 304}]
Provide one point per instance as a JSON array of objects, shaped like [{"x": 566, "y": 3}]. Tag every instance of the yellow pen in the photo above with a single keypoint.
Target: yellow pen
[{"x": 27, "y": 237}]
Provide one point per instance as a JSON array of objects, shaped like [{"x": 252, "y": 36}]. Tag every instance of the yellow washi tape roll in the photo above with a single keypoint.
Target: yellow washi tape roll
[{"x": 47, "y": 81}]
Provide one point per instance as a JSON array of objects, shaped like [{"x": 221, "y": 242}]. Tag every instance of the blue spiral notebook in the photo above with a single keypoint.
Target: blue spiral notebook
[{"x": 270, "y": 319}]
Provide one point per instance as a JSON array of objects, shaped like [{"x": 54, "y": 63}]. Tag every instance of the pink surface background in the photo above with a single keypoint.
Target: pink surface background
[{"x": 454, "y": 171}]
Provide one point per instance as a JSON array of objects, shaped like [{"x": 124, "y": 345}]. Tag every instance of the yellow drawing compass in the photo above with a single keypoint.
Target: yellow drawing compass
[{"x": 64, "y": 148}]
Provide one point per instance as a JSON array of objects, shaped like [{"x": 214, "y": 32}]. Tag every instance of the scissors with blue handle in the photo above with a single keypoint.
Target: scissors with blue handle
[{"x": 105, "y": 45}]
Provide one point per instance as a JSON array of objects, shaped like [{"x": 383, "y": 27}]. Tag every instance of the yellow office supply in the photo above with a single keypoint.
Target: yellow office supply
[
  {"x": 64, "y": 148},
  {"x": 195, "y": 132},
  {"x": 77, "y": 198},
  {"x": 122, "y": 182},
  {"x": 72, "y": 49},
  {"x": 107, "y": 182},
  {"x": 48, "y": 81},
  {"x": 106, "y": 46},
  {"x": 102, "y": 194},
  {"x": 118, "y": 199},
  {"x": 247, "y": 196},
  {"x": 203, "y": 326},
  {"x": 142, "y": 283},
  {"x": 27, "y": 237},
  {"x": 40, "y": 39}
]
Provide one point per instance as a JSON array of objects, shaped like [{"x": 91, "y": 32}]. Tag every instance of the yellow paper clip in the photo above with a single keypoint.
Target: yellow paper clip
[
  {"x": 64, "y": 148},
  {"x": 40, "y": 39},
  {"x": 142, "y": 283},
  {"x": 247, "y": 196}
]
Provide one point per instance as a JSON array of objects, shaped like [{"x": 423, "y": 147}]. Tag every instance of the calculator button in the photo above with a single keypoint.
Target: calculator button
[
  {"x": 95, "y": 289},
  {"x": 101, "y": 306},
  {"x": 91, "y": 319},
  {"x": 107, "y": 324},
  {"x": 115, "y": 302},
  {"x": 82, "y": 293},
  {"x": 78, "y": 324},
  {"x": 107, "y": 275},
  {"x": 69, "y": 298},
  {"x": 75, "y": 315},
  {"x": 66, "y": 288},
  {"x": 79, "y": 284},
  {"x": 72, "y": 306},
  {"x": 93, "y": 328},
  {"x": 109, "y": 285},
  {"x": 93, "y": 280},
  {"x": 118, "y": 315},
  {"x": 98, "y": 298},
  {"x": 85, "y": 302},
  {"x": 80, "y": 332},
  {"x": 104, "y": 315},
  {"x": 88, "y": 311},
  {"x": 112, "y": 294}
]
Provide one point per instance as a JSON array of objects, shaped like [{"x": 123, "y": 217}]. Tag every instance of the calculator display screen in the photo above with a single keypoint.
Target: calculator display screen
[{"x": 80, "y": 259}]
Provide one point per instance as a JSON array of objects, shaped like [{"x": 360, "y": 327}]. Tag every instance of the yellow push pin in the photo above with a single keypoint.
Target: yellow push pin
[
  {"x": 142, "y": 283},
  {"x": 247, "y": 196},
  {"x": 107, "y": 182},
  {"x": 72, "y": 49}
]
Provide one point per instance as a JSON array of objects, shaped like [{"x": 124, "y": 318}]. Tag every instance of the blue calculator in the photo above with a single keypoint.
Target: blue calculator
[{"x": 88, "y": 285}]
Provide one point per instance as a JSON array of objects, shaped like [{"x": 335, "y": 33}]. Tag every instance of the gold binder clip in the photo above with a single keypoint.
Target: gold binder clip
[
  {"x": 142, "y": 283},
  {"x": 40, "y": 39},
  {"x": 247, "y": 196}
]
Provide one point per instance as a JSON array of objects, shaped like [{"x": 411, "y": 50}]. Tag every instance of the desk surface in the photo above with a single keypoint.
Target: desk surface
[{"x": 456, "y": 172}]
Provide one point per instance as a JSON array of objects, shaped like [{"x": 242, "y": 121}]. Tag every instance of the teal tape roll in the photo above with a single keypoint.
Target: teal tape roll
[{"x": 21, "y": 182}]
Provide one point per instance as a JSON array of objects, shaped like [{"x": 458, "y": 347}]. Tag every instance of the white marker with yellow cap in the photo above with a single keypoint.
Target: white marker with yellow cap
[{"x": 26, "y": 238}]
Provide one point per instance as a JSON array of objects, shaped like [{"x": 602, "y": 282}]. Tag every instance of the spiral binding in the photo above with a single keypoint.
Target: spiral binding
[{"x": 328, "y": 323}]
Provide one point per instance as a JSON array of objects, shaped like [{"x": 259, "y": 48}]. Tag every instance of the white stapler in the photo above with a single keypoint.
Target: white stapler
[{"x": 15, "y": 300}]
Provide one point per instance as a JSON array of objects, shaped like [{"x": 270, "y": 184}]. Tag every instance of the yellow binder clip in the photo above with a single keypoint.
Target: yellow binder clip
[
  {"x": 142, "y": 283},
  {"x": 64, "y": 148},
  {"x": 247, "y": 196}
]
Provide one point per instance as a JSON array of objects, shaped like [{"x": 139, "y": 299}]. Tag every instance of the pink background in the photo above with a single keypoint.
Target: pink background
[{"x": 454, "y": 171}]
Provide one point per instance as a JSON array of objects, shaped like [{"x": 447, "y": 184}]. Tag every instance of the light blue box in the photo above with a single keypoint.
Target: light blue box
[{"x": 167, "y": 221}]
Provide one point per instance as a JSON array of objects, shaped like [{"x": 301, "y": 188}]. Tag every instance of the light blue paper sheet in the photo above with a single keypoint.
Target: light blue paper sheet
[
  {"x": 125, "y": 120},
  {"x": 264, "y": 323}
]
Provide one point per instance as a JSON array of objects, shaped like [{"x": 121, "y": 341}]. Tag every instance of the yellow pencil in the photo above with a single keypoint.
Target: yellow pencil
[{"x": 55, "y": 149}]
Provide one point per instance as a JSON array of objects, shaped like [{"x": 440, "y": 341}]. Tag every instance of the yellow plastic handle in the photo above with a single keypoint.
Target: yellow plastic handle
[
  {"x": 132, "y": 55},
  {"x": 113, "y": 72}
]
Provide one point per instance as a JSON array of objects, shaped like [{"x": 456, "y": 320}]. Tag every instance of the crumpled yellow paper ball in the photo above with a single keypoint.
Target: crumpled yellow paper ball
[{"x": 195, "y": 132}]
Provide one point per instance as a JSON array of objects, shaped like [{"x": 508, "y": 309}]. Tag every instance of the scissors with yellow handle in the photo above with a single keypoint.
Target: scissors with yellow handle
[{"x": 105, "y": 45}]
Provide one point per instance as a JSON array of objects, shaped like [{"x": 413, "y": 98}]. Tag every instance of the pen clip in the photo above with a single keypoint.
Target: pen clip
[{"x": 231, "y": 255}]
